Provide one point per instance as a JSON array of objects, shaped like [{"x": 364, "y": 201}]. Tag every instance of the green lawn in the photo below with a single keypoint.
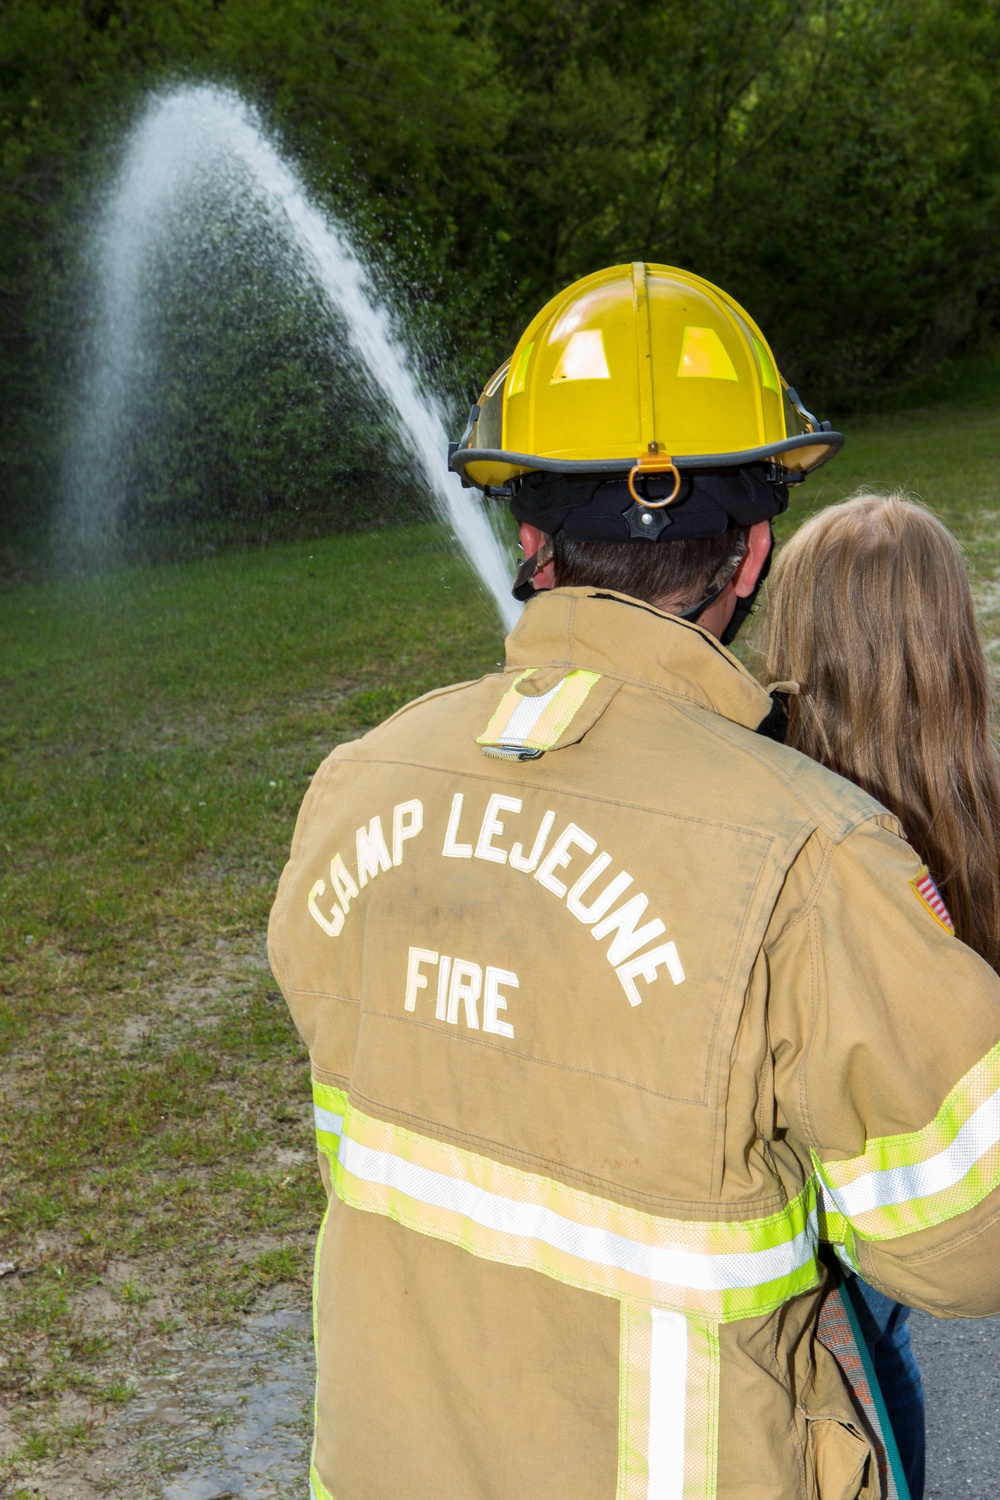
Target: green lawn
[{"x": 157, "y": 731}]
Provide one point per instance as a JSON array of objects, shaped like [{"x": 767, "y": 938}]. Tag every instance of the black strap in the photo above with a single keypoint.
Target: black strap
[
  {"x": 774, "y": 724},
  {"x": 744, "y": 607},
  {"x": 694, "y": 611},
  {"x": 524, "y": 587}
]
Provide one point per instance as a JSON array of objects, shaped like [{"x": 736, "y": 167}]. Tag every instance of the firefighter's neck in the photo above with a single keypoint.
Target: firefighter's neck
[{"x": 718, "y": 614}]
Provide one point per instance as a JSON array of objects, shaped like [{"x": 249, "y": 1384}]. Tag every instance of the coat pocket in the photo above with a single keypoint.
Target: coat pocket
[{"x": 843, "y": 1463}]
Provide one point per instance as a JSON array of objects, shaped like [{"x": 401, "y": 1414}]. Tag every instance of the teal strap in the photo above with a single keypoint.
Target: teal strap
[{"x": 898, "y": 1489}]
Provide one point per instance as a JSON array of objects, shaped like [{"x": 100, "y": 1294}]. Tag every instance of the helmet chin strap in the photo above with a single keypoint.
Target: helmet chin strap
[
  {"x": 524, "y": 587},
  {"x": 743, "y": 608},
  {"x": 694, "y": 612}
]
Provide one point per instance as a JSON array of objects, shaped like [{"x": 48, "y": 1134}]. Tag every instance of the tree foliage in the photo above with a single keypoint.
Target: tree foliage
[{"x": 835, "y": 164}]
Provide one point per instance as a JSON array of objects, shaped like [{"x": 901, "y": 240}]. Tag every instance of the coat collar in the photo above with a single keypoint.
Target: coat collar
[{"x": 625, "y": 639}]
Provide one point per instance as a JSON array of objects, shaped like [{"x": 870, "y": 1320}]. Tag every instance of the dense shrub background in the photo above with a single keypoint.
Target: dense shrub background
[{"x": 834, "y": 163}]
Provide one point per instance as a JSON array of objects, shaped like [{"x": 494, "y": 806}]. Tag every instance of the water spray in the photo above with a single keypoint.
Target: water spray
[{"x": 205, "y": 138}]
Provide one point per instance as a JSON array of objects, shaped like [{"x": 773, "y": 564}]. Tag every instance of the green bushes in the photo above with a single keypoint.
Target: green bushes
[{"x": 834, "y": 163}]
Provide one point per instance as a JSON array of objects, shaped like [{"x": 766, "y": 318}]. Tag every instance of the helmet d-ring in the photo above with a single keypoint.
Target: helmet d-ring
[
  {"x": 641, "y": 518},
  {"x": 654, "y": 462}
]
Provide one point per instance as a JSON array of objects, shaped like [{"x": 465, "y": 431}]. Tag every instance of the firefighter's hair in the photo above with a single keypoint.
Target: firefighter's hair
[
  {"x": 669, "y": 574},
  {"x": 870, "y": 611}
]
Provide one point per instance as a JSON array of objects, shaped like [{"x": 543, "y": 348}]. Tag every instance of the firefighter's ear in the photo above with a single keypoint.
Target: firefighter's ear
[
  {"x": 754, "y": 559},
  {"x": 532, "y": 540},
  {"x": 533, "y": 544}
]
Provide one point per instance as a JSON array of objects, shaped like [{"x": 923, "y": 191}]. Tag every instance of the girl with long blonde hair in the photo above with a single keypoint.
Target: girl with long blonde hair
[{"x": 870, "y": 612}]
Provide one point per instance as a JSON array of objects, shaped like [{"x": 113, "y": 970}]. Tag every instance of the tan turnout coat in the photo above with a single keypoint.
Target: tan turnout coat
[{"x": 603, "y": 1040}]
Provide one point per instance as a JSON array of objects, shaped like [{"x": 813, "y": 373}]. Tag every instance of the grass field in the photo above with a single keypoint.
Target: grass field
[{"x": 157, "y": 731}]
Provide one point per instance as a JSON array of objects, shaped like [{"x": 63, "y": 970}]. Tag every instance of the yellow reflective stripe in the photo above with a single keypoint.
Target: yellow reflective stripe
[
  {"x": 504, "y": 1214},
  {"x": 519, "y": 372},
  {"x": 566, "y": 702},
  {"x": 329, "y": 1108},
  {"x": 525, "y": 723},
  {"x": 633, "y": 1401},
  {"x": 904, "y": 1183},
  {"x": 702, "y": 1421},
  {"x": 668, "y": 1405},
  {"x": 317, "y": 1489},
  {"x": 510, "y": 701},
  {"x": 768, "y": 375}
]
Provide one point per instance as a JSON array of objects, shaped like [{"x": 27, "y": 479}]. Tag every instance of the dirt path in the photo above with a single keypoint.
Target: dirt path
[
  {"x": 181, "y": 1369},
  {"x": 226, "y": 1416}
]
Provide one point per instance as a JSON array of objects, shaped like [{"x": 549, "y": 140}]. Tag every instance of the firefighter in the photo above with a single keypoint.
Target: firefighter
[{"x": 616, "y": 1006}]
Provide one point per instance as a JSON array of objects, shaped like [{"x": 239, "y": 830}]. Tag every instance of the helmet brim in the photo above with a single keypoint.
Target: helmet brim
[{"x": 489, "y": 468}]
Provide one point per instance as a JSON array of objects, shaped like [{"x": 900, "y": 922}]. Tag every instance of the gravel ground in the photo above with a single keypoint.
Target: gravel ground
[{"x": 961, "y": 1371}]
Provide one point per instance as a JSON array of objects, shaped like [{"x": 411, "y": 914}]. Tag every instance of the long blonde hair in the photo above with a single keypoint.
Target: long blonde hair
[{"x": 870, "y": 611}]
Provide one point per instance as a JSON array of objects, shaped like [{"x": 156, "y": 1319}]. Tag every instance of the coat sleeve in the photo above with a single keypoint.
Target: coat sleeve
[{"x": 885, "y": 1034}]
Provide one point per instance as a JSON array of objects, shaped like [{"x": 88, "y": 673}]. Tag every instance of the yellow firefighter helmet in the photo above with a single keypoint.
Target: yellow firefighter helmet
[{"x": 639, "y": 369}]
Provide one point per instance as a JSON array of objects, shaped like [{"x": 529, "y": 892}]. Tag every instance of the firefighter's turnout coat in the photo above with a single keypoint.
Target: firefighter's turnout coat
[{"x": 604, "y": 1042}]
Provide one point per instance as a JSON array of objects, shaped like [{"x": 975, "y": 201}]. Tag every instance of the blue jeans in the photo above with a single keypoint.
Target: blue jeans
[{"x": 887, "y": 1333}]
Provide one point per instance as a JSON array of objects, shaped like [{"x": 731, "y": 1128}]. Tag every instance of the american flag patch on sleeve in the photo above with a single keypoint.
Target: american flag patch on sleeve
[{"x": 929, "y": 894}]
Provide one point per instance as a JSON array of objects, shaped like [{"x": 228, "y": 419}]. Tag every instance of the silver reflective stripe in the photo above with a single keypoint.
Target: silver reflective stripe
[
  {"x": 671, "y": 1267},
  {"x": 526, "y": 715},
  {"x": 326, "y": 1120},
  {"x": 668, "y": 1361},
  {"x": 891, "y": 1185}
]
